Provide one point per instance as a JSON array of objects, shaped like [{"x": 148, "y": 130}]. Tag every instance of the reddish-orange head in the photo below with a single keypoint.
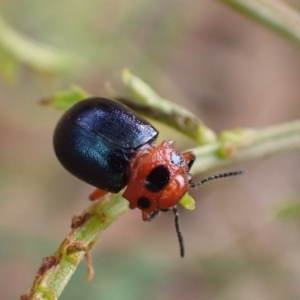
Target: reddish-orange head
[{"x": 158, "y": 178}]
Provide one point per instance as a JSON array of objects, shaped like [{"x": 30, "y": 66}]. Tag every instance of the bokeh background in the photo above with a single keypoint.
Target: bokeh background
[{"x": 232, "y": 73}]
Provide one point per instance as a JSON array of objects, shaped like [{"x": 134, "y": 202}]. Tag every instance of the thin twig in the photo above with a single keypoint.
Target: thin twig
[
  {"x": 273, "y": 14},
  {"x": 147, "y": 102},
  {"x": 56, "y": 270},
  {"x": 37, "y": 55}
]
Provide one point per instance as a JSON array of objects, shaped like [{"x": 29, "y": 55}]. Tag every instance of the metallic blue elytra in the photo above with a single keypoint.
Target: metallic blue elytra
[{"x": 97, "y": 137}]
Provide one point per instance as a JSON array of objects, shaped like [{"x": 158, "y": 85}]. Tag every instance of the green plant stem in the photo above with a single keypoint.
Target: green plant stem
[
  {"x": 253, "y": 144},
  {"x": 271, "y": 13},
  {"x": 39, "y": 56},
  {"x": 56, "y": 270},
  {"x": 146, "y": 101}
]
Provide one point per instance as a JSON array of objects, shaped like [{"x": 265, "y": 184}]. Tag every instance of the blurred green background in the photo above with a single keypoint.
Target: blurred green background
[{"x": 228, "y": 70}]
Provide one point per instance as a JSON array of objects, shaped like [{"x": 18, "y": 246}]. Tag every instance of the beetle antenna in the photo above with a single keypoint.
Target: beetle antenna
[
  {"x": 178, "y": 231},
  {"x": 222, "y": 175}
]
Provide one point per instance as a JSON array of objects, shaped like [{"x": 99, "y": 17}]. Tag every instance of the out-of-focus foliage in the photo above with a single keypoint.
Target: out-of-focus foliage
[
  {"x": 16, "y": 49},
  {"x": 288, "y": 211}
]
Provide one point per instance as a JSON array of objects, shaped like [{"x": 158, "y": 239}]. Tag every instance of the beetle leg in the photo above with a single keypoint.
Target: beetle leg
[
  {"x": 97, "y": 193},
  {"x": 190, "y": 157},
  {"x": 149, "y": 216}
]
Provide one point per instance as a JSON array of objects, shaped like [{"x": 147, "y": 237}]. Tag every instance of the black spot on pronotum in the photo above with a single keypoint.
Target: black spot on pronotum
[
  {"x": 157, "y": 179},
  {"x": 144, "y": 203}
]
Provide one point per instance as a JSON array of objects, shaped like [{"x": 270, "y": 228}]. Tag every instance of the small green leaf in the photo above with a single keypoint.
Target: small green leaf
[
  {"x": 65, "y": 99},
  {"x": 187, "y": 202}
]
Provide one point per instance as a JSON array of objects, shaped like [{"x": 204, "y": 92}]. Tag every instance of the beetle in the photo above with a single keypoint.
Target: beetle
[{"x": 107, "y": 145}]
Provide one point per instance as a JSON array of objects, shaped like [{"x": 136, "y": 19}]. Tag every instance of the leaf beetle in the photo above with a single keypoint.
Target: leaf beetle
[{"x": 107, "y": 145}]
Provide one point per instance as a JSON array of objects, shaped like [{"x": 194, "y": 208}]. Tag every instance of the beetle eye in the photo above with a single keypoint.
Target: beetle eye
[{"x": 157, "y": 179}]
